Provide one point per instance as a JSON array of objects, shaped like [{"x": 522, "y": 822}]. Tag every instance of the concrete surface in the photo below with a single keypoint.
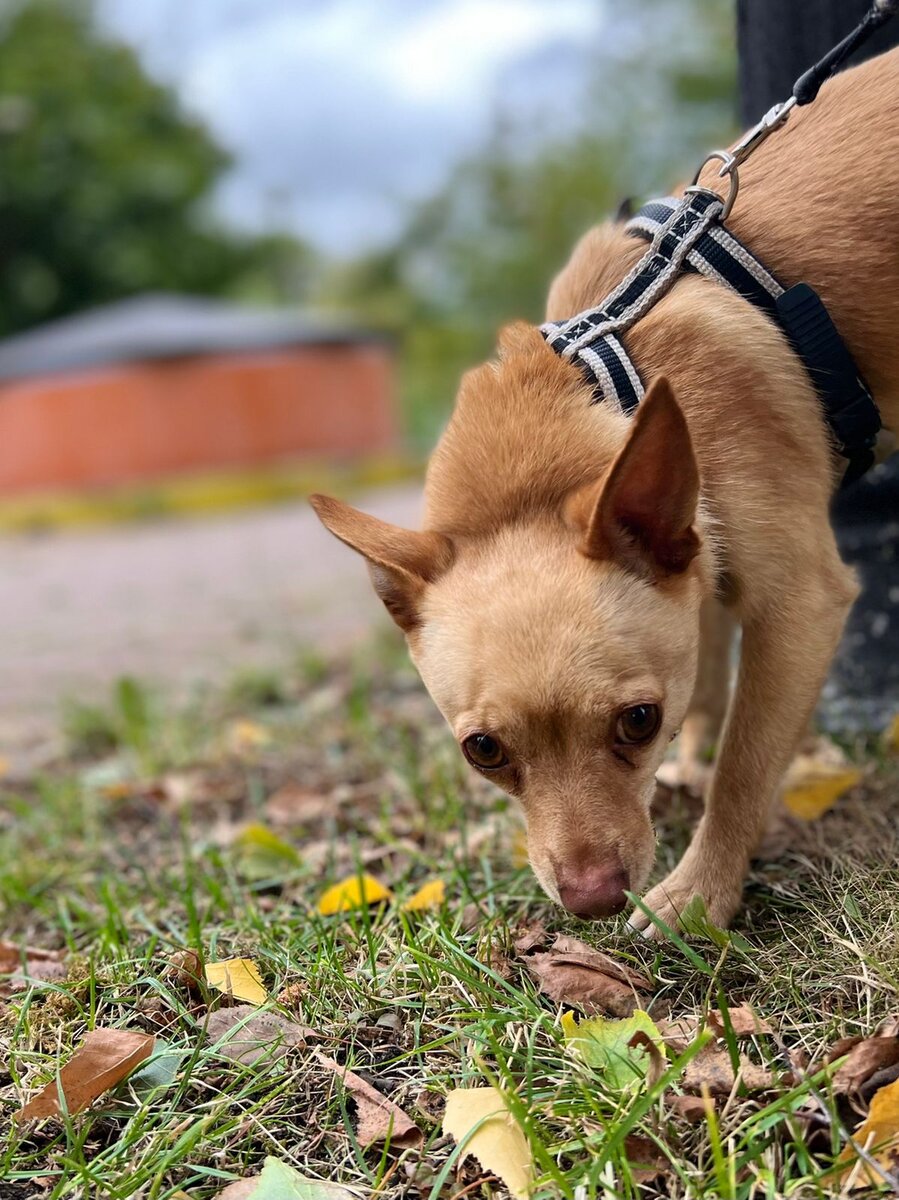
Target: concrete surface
[{"x": 177, "y": 602}]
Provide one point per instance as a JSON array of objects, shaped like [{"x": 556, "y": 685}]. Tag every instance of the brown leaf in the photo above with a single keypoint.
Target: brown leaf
[
  {"x": 647, "y": 1162},
  {"x": 744, "y": 1022},
  {"x": 105, "y": 1058},
  {"x": 678, "y": 1032},
  {"x": 691, "y": 1108},
  {"x": 186, "y": 969},
  {"x": 656, "y": 1062},
  {"x": 293, "y": 804},
  {"x": 571, "y": 972},
  {"x": 864, "y": 1059},
  {"x": 529, "y": 936},
  {"x": 261, "y": 1035},
  {"x": 712, "y": 1067},
  {"x": 11, "y": 954},
  {"x": 377, "y": 1117}
]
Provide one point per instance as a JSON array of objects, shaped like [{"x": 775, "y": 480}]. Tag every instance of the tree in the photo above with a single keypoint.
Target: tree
[{"x": 102, "y": 177}]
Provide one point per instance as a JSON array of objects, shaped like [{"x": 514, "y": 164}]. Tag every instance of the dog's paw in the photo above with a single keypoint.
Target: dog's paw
[{"x": 670, "y": 898}]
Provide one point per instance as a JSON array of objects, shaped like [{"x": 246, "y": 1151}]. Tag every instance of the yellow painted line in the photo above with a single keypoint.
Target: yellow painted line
[{"x": 195, "y": 495}]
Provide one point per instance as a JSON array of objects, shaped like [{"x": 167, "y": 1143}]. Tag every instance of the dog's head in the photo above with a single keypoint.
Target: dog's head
[{"x": 562, "y": 650}]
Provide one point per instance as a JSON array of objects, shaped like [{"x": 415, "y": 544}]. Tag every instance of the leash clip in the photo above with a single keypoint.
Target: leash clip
[
  {"x": 728, "y": 168},
  {"x": 773, "y": 119}
]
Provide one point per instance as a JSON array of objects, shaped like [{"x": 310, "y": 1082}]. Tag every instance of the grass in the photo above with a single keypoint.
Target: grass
[{"x": 124, "y": 853}]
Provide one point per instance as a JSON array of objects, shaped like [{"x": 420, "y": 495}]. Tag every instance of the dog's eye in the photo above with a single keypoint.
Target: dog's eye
[
  {"x": 484, "y": 751},
  {"x": 638, "y": 724}
]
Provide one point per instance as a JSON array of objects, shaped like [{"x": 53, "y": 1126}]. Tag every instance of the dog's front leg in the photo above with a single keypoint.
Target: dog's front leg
[{"x": 786, "y": 650}]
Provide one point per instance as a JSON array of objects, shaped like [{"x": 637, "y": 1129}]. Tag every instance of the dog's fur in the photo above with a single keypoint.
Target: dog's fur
[{"x": 574, "y": 559}]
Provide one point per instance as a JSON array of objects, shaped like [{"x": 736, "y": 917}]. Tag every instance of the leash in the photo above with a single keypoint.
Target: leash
[{"x": 689, "y": 234}]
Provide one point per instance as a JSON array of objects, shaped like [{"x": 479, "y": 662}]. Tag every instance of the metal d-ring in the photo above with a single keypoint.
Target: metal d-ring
[{"x": 728, "y": 168}]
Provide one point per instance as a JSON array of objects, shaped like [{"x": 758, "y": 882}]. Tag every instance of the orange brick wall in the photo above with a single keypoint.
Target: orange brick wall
[{"x": 146, "y": 420}]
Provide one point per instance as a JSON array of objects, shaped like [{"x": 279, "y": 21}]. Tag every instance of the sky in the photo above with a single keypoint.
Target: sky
[{"x": 340, "y": 112}]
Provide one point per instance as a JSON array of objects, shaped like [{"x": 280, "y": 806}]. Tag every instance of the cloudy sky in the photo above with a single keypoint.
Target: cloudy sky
[{"x": 338, "y": 111}]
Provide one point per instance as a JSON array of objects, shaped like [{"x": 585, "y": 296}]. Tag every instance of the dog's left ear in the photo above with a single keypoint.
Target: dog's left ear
[
  {"x": 401, "y": 562},
  {"x": 645, "y": 511}
]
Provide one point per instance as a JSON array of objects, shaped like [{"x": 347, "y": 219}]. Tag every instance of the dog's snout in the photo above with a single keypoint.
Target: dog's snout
[{"x": 593, "y": 889}]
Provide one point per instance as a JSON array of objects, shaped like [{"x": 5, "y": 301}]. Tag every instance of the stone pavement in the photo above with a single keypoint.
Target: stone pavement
[{"x": 175, "y": 602}]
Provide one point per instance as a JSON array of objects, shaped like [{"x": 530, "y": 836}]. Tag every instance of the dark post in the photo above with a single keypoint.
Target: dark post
[{"x": 777, "y": 41}]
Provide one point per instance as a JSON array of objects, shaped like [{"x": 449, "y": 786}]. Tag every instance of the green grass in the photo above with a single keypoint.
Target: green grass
[{"x": 126, "y": 859}]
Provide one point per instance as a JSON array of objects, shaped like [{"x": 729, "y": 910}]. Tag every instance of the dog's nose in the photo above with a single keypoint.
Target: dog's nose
[{"x": 597, "y": 890}]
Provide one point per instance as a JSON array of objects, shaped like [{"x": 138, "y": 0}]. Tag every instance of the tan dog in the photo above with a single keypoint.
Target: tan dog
[{"x": 569, "y": 576}]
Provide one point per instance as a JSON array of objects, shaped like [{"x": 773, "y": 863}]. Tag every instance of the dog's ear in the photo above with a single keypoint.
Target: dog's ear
[
  {"x": 401, "y": 562},
  {"x": 645, "y": 510}
]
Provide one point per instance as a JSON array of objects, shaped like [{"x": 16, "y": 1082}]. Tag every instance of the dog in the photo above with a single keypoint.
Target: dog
[{"x": 570, "y": 600}]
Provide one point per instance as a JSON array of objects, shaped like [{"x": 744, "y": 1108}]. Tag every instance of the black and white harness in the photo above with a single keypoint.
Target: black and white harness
[{"x": 689, "y": 234}]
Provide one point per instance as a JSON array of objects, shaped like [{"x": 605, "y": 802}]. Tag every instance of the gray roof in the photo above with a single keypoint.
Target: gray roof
[{"x": 158, "y": 326}]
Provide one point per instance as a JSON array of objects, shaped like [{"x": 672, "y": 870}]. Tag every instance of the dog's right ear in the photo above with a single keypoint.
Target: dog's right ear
[{"x": 401, "y": 562}]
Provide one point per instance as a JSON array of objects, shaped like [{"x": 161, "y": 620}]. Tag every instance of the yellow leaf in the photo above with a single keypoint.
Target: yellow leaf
[
  {"x": 817, "y": 789},
  {"x": 355, "y": 892},
  {"x": 4, "y": 766},
  {"x": 244, "y": 736},
  {"x": 879, "y": 1136},
  {"x": 519, "y": 848},
  {"x": 430, "y": 895},
  {"x": 479, "y": 1119},
  {"x": 606, "y": 1044},
  {"x": 891, "y": 735},
  {"x": 261, "y": 853},
  {"x": 237, "y": 977}
]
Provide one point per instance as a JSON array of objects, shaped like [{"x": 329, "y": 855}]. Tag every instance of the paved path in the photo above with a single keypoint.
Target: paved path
[{"x": 175, "y": 601}]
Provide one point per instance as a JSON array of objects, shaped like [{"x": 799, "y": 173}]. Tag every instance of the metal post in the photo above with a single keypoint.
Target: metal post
[{"x": 777, "y": 41}]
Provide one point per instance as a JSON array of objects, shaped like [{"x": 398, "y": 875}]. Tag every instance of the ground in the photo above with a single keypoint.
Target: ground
[{"x": 128, "y": 849}]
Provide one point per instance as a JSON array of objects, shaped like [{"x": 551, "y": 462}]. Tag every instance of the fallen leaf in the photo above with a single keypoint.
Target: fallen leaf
[
  {"x": 713, "y": 1069},
  {"x": 743, "y": 1021},
  {"x": 691, "y": 1108},
  {"x": 186, "y": 969},
  {"x": 814, "y": 786},
  {"x": 244, "y": 736},
  {"x": 529, "y": 937},
  {"x": 12, "y": 954},
  {"x": 40, "y": 966},
  {"x": 159, "y": 1071},
  {"x": 878, "y": 1134},
  {"x": 479, "y": 1120},
  {"x": 279, "y": 1181},
  {"x": 106, "y": 1056},
  {"x": 355, "y": 892},
  {"x": 261, "y": 854},
  {"x": 571, "y": 972},
  {"x": 678, "y": 1032},
  {"x": 254, "y": 1035},
  {"x": 430, "y": 895},
  {"x": 295, "y": 805},
  {"x": 615, "y": 1047},
  {"x": 377, "y": 1117},
  {"x": 5, "y": 766},
  {"x": 238, "y": 978},
  {"x": 646, "y": 1160},
  {"x": 864, "y": 1058}
]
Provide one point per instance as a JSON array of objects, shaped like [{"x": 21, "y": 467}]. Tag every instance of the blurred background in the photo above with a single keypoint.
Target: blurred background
[{"x": 246, "y": 249}]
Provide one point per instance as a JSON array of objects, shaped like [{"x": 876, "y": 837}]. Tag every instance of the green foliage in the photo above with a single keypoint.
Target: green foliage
[
  {"x": 103, "y": 177},
  {"x": 483, "y": 250}
]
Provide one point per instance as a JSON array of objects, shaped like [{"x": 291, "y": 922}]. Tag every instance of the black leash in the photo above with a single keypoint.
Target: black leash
[{"x": 689, "y": 234}]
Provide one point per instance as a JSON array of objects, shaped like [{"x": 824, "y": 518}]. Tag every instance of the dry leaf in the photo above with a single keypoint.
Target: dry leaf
[
  {"x": 647, "y": 1162},
  {"x": 878, "y": 1134},
  {"x": 377, "y": 1117},
  {"x": 530, "y": 937},
  {"x": 186, "y": 969},
  {"x": 691, "y": 1108},
  {"x": 743, "y": 1020},
  {"x": 571, "y": 972},
  {"x": 42, "y": 966},
  {"x": 238, "y": 978},
  {"x": 295, "y": 805},
  {"x": 245, "y": 736},
  {"x": 814, "y": 786},
  {"x": 865, "y": 1058},
  {"x": 712, "y": 1068},
  {"x": 430, "y": 895},
  {"x": 264, "y": 1035},
  {"x": 479, "y": 1120},
  {"x": 678, "y": 1032},
  {"x": 105, "y": 1058},
  {"x": 279, "y": 1181},
  {"x": 355, "y": 892},
  {"x": 5, "y": 766},
  {"x": 618, "y": 1048}
]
